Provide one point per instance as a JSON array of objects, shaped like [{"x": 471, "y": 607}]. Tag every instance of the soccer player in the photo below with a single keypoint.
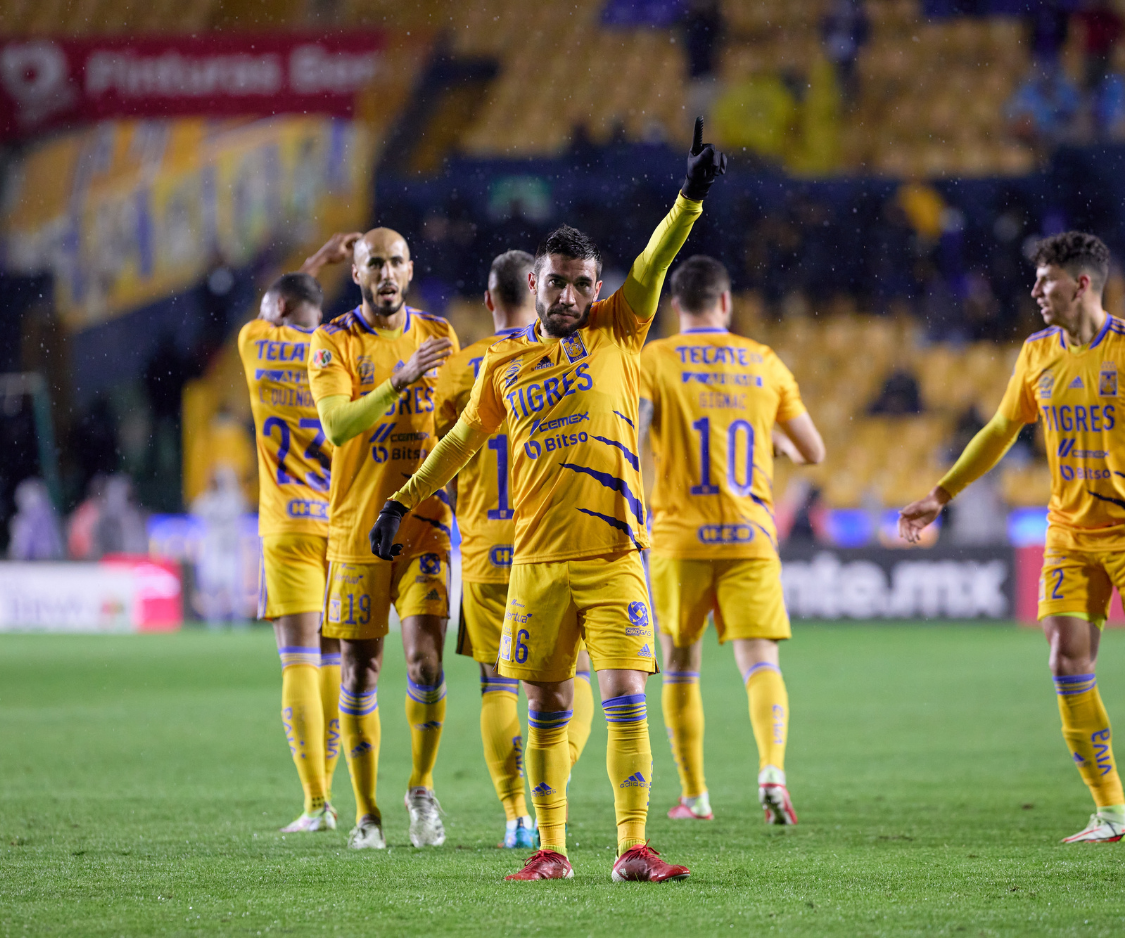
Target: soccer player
[
  {"x": 372, "y": 372},
  {"x": 713, "y": 400},
  {"x": 293, "y": 479},
  {"x": 484, "y": 515},
  {"x": 568, "y": 388},
  {"x": 1067, "y": 375}
]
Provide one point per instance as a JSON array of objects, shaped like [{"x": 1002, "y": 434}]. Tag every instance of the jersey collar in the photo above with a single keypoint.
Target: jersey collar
[
  {"x": 704, "y": 329},
  {"x": 1102, "y": 331},
  {"x": 508, "y": 333},
  {"x": 366, "y": 327}
]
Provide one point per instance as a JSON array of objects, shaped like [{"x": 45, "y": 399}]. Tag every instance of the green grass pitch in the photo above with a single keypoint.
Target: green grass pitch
[{"x": 143, "y": 779}]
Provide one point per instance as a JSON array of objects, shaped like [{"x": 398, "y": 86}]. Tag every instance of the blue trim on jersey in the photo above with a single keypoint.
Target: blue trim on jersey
[
  {"x": 612, "y": 482},
  {"x": 1101, "y": 333},
  {"x": 629, "y": 455},
  {"x": 704, "y": 329},
  {"x": 437, "y": 524},
  {"x": 288, "y": 325},
  {"x": 529, "y": 332},
  {"x": 1043, "y": 334},
  {"x": 508, "y": 333}
]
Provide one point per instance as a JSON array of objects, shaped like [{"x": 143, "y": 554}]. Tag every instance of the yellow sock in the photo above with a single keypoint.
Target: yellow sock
[
  {"x": 361, "y": 732},
  {"x": 330, "y": 701},
  {"x": 425, "y": 712},
  {"x": 578, "y": 730},
  {"x": 503, "y": 742},
  {"x": 769, "y": 713},
  {"x": 1085, "y": 726},
  {"x": 548, "y": 767},
  {"x": 628, "y": 759},
  {"x": 683, "y": 717},
  {"x": 303, "y": 720}
]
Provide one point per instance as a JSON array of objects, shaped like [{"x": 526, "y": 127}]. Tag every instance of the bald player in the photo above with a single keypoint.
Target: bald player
[{"x": 372, "y": 373}]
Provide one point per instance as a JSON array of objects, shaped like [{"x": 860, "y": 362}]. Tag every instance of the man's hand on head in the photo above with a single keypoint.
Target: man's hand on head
[
  {"x": 430, "y": 354},
  {"x": 335, "y": 250},
  {"x": 704, "y": 164}
]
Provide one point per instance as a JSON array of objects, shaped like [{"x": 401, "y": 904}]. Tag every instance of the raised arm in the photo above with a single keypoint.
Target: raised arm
[
  {"x": 984, "y": 451},
  {"x": 646, "y": 276}
]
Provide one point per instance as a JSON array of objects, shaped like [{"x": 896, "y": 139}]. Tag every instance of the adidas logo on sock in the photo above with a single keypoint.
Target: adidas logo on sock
[
  {"x": 636, "y": 780},
  {"x": 542, "y": 789},
  {"x": 363, "y": 747},
  {"x": 431, "y": 725},
  {"x": 433, "y": 596}
]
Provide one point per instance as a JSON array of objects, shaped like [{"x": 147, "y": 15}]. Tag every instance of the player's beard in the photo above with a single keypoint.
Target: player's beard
[
  {"x": 371, "y": 298},
  {"x": 557, "y": 329}
]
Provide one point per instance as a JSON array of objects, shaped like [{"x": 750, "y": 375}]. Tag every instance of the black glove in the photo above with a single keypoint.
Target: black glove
[
  {"x": 386, "y": 527},
  {"x": 704, "y": 163}
]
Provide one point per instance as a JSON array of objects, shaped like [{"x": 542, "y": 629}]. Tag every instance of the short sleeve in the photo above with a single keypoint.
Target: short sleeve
[
  {"x": 616, "y": 316},
  {"x": 328, "y": 372},
  {"x": 789, "y": 403},
  {"x": 485, "y": 409},
  {"x": 1019, "y": 401},
  {"x": 449, "y": 397}
]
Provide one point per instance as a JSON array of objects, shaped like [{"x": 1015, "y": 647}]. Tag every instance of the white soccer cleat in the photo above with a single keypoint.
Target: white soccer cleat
[
  {"x": 367, "y": 835},
  {"x": 774, "y": 797},
  {"x": 322, "y": 820},
  {"x": 1100, "y": 830},
  {"x": 426, "y": 829},
  {"x": 331, "y": 810}
]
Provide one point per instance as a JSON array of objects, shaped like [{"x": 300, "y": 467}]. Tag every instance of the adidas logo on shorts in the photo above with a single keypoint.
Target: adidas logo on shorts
[{"x": 433, "y": 596}]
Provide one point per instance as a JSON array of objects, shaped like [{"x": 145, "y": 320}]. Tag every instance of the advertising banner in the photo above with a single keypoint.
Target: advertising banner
[
  {"x": 124, "y": 594},
  {"x": 883, "y": 583},
  {"x": 46, "y": 82}
]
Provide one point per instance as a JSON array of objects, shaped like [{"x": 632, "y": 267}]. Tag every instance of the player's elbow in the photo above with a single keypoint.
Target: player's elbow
[{"x": 814, "y": 452}]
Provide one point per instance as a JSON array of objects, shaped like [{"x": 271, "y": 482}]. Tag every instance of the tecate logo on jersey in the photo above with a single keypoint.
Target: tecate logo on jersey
[{"x": 534, "y": 449}]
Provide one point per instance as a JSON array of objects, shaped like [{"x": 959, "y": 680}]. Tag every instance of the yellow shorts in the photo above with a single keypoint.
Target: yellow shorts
[
  {"x": 745, "y": 595},
  {"x": 552, "y": 607},
  {"x": 358, "y": 601},
  {"x": 291, "y": 575},
  {"x": 482, "y": 617},
  {"x": 1079, "y": 583}
]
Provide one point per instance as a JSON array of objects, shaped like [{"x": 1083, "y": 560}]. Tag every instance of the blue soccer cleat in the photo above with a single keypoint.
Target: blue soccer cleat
[{"x": 520, "y": 834}]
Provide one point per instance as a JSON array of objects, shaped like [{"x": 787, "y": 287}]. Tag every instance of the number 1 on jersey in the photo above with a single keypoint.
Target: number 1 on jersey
[
  {"x": 703, "y": 425},
  {"x": 502, "y": 512}
]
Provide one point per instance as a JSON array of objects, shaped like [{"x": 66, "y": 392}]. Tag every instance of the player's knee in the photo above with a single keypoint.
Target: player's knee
[
  {"x": 423, "y": 667},
  {"x": 1064, "y": 663}
]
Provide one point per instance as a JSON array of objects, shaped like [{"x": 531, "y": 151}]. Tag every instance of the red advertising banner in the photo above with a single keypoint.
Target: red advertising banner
[{"x": 48, "y": 82}]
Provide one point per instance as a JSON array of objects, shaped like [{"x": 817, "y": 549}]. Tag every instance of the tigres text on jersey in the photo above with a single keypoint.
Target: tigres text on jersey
[
  {"x": 484, "y": 507},
  {"x": 716, "y": 398},
  {"x": 294, "y": 458},
  {"x": 571, "y": 411},
  {"x": 348, "y": 357},
  {"x": 1075, "y": 393}
]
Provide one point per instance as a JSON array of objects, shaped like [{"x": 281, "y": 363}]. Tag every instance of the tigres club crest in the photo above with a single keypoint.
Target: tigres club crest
[
  {"x": 1107, "y": 380},
  {"x": 573, "y": 347}
]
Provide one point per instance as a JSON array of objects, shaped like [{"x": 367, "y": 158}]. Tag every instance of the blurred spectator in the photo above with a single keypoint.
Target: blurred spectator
[
  {"x": 703, "y": 32},
  {"x": 1042, "y": 110},
  {"x": 34, "y": 528},
  {"x": 805, "y": 512},
  {"x": 1102, "y": 28},
  {"x": 844, "y": 29},
  {"x": 120, "y": 528},
  {"x": 83, "y": 521},
  {"x": 757, "y": 113},
  {"x": 219, "y": 571},
  {"x": 900, "y": 396}
]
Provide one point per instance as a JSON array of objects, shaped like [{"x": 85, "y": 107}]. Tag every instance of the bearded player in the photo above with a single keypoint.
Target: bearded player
[
  {"x": 482, "y": 491},
  {"x": 713, "y": 401},
  {"x": 1067, "y": 376},
  {"x": 568, "y": 389},
  {"x": 293, "y": 480},
  {"x": 372, "y": 372}
]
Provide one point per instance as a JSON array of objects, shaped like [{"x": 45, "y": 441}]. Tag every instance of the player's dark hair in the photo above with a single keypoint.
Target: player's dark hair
[
  {"x": 569, "y": 242},
  {"x": 507, "y": 278},
  {"x": 297, "y": 289},
  {"x": 699, "y": 282},
  {"x": 1076, "y": 252}
]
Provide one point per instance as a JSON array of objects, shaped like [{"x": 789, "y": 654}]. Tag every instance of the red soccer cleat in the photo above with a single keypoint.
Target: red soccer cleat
[
  {"x": 642, "y": 864},
  {"x": 691, "y": 809},
  {"x": 546, "y": 864}
]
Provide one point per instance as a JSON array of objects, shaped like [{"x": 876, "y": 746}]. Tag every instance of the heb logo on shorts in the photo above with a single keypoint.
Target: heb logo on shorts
[
  {"x": 501, "y": 555},
  {"x": 429, "y": 564},
  {"x": 304, "y": 508},
  {"x": 725, "y": 534}
]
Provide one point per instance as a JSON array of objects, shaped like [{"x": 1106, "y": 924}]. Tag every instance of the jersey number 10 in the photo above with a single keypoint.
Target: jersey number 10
[{"x": 740, "y": 487}]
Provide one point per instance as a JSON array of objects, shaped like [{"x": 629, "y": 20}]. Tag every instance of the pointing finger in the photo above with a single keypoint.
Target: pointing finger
[{"x": 697, "y": 141}]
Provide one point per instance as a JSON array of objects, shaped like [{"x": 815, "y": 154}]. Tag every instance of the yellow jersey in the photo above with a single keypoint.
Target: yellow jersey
[
  {"x": 294, "y": 458},
  {"x": 571, "y": 411},
  {"x": 716, "y": 398},
  {"x": 1075, "y": 393},
  {"x": 348, "y": 357},
  {"x": 484, "y": 506}
]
